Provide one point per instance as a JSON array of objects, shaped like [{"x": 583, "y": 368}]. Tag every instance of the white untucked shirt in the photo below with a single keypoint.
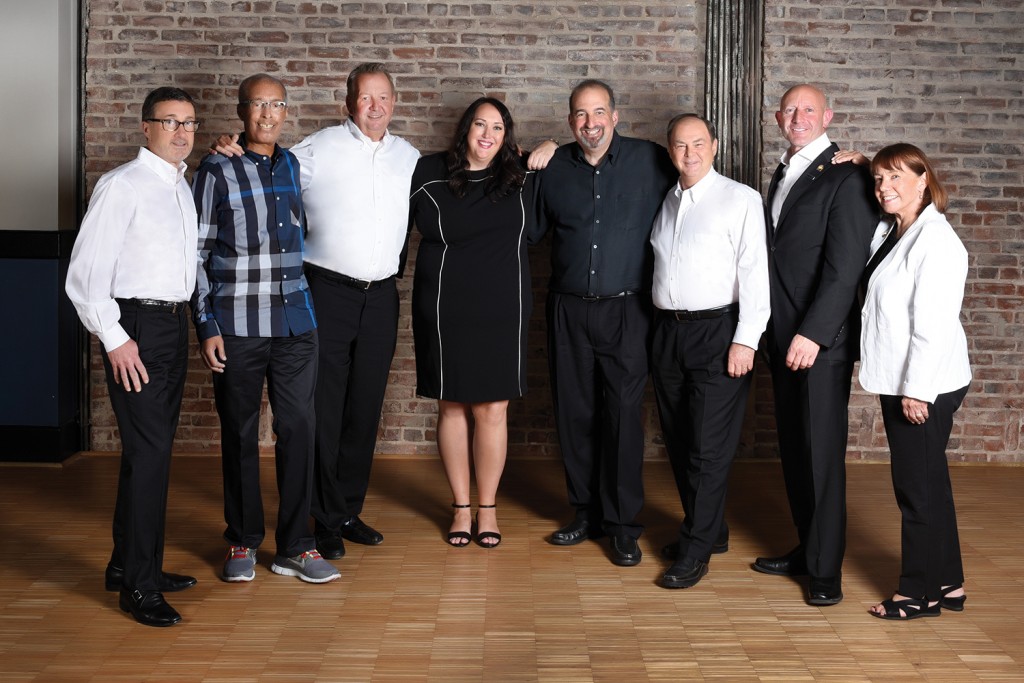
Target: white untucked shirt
[
  {"x": 912, "y": 342},
  {"x": 138, "y": 240},
  {"x": 356, "y": 195},
  {"x": 709, "y": 251}
]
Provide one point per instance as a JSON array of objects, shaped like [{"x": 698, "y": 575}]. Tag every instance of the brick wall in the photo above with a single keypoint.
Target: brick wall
[{"x": 948, "y": 79}]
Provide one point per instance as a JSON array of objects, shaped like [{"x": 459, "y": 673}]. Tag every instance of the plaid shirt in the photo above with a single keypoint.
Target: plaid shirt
[{"x": 249, "y": 282}]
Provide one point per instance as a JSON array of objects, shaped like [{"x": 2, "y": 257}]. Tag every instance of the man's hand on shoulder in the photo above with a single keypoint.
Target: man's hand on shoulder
[
  {"x": 212, "y": 352},
  {"x": 127, "y": 366},
  {"x": 541, "y": 156},
  {"x": 802, "y": 353},
  {"x": 228, "y": 146}
]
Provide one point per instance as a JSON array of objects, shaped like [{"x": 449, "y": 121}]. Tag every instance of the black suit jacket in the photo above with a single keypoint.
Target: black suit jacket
[{"x": 816, "y": 255}]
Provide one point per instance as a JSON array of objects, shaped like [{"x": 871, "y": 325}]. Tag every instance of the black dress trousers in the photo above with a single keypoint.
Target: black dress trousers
[
  {"x": 358, "y": 331},
  {"x": 701, "y": 409},
  {"x": 812, "y": 422},
  {"x": 147, "y": 421},
  {"x": 598, "y": 363}
]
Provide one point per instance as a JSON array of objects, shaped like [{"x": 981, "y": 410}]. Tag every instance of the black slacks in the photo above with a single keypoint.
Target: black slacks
[
  {"x": 358, "y": 332},
  {"x": 598, "y": 362},
  {"x": 146, "y": 421},
  {"x": 812, "y": 422},
  {"x": 920, "y": 478},
  {"x": 701, "y": 409},
  {"x": 288, "y": 364}
]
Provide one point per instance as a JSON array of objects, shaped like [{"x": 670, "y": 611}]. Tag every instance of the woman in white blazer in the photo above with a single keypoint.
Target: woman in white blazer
[{"x": 914, "y": 355}]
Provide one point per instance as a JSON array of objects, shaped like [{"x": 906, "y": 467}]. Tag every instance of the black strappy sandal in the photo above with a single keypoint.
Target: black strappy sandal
[
  {"x": 459, "y": 535},
  {"x": 487, "y": 535},
  {"x": 911, "y": 608},
  {"x": 952, "y": 604}
]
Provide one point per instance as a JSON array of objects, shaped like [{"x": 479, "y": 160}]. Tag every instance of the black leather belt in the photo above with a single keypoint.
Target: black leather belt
[
  {"x": 589, "y": 297},
  {"x": 341, "y": 279},
  {"x": 154, "y": 305},
  {"x": 706, "y": 314}
]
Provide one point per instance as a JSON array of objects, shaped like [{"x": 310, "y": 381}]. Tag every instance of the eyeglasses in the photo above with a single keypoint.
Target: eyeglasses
[
  {"x": 276, "y": 105},
  {"x": 171, "y": 125}
]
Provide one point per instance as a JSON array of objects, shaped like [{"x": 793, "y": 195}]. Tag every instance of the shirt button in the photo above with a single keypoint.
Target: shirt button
[
  {"x": 595, "y": 246},
  {"x": 280, "y": 225},
  {"x": 285, "y": 277},
  {"x": 598, "y": 220},
  {"x": 598, "y": 196},
  {"x": 597, "y": 173},
  {"x": 592, "y": 272}
]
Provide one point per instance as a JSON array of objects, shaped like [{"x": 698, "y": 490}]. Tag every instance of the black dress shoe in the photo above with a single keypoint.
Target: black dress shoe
[
  {"x": 684, "y": 573},
  {"x": 625, "y": 551},
  {"x": 355, "y": 530},
  {"x": 169, "y": 583},
  {"x": 792, "y": 563},
  {"x": 148, "y": 607},
  {"x": 671, "y": 551},
  {"x": 824, "y": 591},
  {"x": 330, "y": 546},
  {"x": 576, "y": 531}
]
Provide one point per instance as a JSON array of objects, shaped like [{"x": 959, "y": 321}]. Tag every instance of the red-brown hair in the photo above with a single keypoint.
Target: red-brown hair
[{"x": 906, "y": 156}]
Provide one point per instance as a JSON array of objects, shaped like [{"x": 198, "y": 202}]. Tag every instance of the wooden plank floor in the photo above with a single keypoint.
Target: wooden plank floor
[{"x": 414, "y": 609}]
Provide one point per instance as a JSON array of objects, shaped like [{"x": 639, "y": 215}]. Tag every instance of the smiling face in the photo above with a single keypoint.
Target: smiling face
[
  {"x": 485, "y": 137},
  {"x": 593, "y": 121},
  {"x": 802, "y": 116},
  {"x": 372, "y": 104},
  {"x": 263, "y": 124},
  {"x": 171, "y": 146},
  {"x": 899, "y": 192},
  {"x": 692, "y": 150}
]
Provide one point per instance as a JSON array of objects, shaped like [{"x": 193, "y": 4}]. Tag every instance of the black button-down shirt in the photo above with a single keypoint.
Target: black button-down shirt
[{"x": 601, "y": 216}]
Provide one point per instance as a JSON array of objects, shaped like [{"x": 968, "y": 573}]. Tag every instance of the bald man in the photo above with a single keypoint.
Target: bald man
[{"x": 820, "y": 219}]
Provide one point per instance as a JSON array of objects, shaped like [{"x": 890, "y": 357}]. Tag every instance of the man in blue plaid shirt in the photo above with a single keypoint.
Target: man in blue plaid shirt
[{"x": 254, "y": 319}]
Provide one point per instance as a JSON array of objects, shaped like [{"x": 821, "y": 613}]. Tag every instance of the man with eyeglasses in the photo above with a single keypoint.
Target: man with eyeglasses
[
  {"x": 355, "y": 187},
  {"x": 132, "y": 269},
  {"x": 254, "y": 318}
]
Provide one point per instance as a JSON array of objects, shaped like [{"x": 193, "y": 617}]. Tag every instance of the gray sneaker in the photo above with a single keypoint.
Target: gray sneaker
[
  {"x": 240, "y": 564},
  {"x": 308, "y": 566}
]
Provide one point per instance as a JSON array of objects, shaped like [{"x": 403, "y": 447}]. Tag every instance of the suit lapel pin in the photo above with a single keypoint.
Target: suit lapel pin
[{"x": 821, "y": 168}]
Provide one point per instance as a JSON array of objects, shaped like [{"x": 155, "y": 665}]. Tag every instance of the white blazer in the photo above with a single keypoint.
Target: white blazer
[{"x": 912, "y": 343}]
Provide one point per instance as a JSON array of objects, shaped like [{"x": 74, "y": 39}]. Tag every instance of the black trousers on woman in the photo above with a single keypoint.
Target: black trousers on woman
[{"x": 920, "y": 478}]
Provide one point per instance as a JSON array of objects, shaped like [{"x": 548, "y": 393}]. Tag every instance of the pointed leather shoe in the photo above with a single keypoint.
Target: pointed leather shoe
[
  {"x": 330, "y": 546},
  {"x": 358, "y": 531},
  {"x": 169, "y": 583},
  {"x": 625, "y": 551},
  {"x": 823, "y": 592},
  {"x": 576, "y": 531},
  {"x": 148, "y": 607},
  {"x": 792, "y": 563},
  {"x": 684, "y": 573}
]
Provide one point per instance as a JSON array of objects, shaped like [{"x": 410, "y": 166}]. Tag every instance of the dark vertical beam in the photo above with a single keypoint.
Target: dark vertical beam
[{"x": 732, "y": 85}]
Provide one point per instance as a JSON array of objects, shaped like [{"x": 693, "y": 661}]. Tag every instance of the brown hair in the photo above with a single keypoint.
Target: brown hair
[{"x": 907, "y": 156}]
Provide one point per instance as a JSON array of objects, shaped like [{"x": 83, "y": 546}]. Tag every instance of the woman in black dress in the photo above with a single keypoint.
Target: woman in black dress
[{"x": 471, "y": 302}]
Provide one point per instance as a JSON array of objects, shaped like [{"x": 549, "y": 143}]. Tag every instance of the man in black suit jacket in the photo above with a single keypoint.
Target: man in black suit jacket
[{"x": 820, "y": 218}]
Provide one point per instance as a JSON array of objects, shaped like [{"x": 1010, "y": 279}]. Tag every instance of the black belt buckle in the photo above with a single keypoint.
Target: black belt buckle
[{"x": 362, "y": 284}]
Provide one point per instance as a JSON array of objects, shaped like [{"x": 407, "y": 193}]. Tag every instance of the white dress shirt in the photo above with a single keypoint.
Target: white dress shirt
[
  {"x": 138, "y": 240},
  {"x": 356, "y": 194},
  {"x": 709, "y": 251},
  {"x": 795, "y": 167},
  {"x": 912, "y": 342}
]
